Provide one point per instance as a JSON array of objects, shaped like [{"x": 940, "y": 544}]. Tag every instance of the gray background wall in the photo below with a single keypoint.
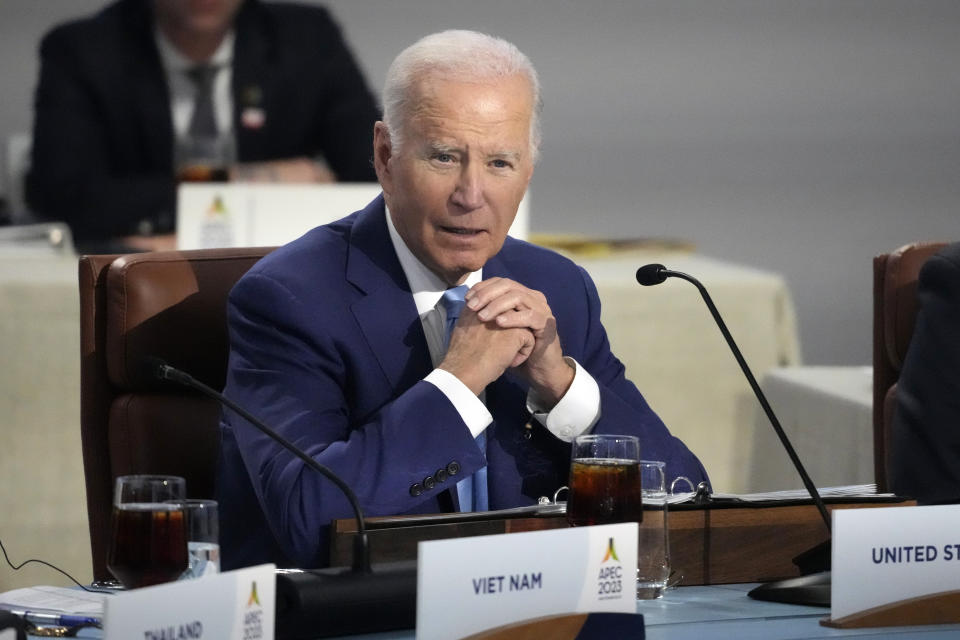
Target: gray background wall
[{"x": 801, "y": 136}]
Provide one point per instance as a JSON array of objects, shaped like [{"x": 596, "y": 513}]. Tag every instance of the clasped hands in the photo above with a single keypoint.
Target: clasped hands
[{"x": 506, "y": 325}]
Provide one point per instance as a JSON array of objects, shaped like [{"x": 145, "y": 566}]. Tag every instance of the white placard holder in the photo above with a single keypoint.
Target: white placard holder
[
  {"x": 468, "y": 585},
  {"x": 215, "y": 215},
  {"x": 895, "y": 566},
  {"x": 234, "y": 605}
]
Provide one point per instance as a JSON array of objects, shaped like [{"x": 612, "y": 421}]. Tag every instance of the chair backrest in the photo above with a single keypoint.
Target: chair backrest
[
  {"x": 895, "y": 307},
  {"x": 170, "y": 305}
]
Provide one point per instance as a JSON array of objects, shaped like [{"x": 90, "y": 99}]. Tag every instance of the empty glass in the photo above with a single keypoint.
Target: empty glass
[
  {"x": 203, "y": 539},
  {"x": 652, "y": 479},
  {"x": 653, "y": 554}
]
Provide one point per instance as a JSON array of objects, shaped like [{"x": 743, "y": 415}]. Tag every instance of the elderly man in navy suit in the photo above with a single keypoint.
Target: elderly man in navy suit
[{"x": 339, "y": 338}]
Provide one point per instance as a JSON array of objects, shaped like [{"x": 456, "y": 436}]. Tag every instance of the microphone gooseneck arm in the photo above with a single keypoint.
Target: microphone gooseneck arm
[
  {"x": 653, "y": 274},
  {"x": 361, "y": 548}
]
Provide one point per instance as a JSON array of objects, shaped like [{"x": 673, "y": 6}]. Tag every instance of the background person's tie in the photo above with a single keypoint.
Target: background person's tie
[
  {"x": 472, "y": 491},
  {"x": 203, "y": 123}
]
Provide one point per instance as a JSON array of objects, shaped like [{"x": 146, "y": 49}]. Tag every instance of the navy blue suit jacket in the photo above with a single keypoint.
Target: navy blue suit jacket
[
  {"x": 103, "y": 136},
  {"x": 925, "y": 447},
  {"x": 327, "y": 347}
]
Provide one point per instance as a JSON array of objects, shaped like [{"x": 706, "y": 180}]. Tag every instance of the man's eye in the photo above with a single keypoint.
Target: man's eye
[
  {"x": 443, "y": 157},
  {"x": 501, "y": 164}
]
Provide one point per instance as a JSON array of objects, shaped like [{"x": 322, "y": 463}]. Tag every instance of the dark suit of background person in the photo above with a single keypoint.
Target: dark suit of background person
[
  {"x": 327, "y": 347},
  {"x": 103, "y": 140},
  {"x": 925, "y": 452}
]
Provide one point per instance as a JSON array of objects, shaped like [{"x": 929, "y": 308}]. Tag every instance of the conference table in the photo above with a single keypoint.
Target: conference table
[
  {"x": 710, "y": 546},
  {"x": 725, "y": 612}
]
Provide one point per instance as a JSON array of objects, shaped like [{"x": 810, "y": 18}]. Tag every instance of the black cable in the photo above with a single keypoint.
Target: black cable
[{"x": 43, "y": 562}]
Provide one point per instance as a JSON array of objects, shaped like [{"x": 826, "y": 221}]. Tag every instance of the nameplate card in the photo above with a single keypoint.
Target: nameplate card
[
  {"x": 212, "y": 215},
  {"x": 234, "y": 605},
  {"x": 886, "y": 555},
  {"x": 468, "y": 585}
]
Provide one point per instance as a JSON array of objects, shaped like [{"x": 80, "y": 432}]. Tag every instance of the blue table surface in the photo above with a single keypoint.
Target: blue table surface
[{"x": 725, "y": 611}]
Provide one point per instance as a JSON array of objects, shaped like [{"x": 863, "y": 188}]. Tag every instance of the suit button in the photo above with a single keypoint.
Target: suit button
[
  {"x": 453, "y": 468},
  {"x": 429, "y": 483},
  {"x": 440, "y": 475},
  {"x": 416, "y": 489}
]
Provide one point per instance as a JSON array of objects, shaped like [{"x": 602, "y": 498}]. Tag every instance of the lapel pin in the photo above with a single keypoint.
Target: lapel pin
[
  {"x": 253, "y": 117},
  {"x": 251, "y": 95}
]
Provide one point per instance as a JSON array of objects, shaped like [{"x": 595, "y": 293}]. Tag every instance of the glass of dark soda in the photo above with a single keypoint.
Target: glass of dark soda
[
  {"x": 148, "y": 543},
  {"x": 604, "y": 480}
]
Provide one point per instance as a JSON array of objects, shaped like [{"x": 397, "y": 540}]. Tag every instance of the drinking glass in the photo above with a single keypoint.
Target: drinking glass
[
  {"x": 148, "y": 544},
  {"x": 203, "y": 539},
  {"x": 653, "y": 553},
  {"x": 653, "y": 480},
  {"x": 205, "y": 159},
  {"x": 604, "y": 480}
]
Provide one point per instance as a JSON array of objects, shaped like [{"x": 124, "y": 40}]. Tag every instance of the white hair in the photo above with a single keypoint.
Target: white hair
[{"x": 457, "y": 55}]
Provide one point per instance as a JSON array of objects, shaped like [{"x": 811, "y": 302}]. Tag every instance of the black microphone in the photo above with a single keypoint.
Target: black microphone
[
  {"x": 325, "y": 602},
  {"x": 651, "y": 274},
  {"x": 807, "y": 589}
]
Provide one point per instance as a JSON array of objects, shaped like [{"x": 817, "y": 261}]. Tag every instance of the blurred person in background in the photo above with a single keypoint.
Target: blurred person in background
[{"x": 147, "y": 93}]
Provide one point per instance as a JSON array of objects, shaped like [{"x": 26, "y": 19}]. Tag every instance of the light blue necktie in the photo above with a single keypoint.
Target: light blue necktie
[{"x": 471, "y": 491}]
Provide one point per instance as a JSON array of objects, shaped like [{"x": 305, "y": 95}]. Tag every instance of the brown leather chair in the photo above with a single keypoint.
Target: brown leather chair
[
  {"x": 170, "y": 305},
  {"x": 895, "y": 308}
]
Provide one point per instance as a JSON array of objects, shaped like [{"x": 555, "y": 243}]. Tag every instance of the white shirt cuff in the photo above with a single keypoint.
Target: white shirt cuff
[
  {"x": 469, "y": 406},
  {"x": 576, "y": 412}
]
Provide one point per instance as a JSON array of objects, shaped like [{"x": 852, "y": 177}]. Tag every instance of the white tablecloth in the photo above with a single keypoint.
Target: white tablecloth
[
  {"x": 827, "y": 413},
  {"x": 43, "y": 500},
  {"x": 676, "y": 355}
]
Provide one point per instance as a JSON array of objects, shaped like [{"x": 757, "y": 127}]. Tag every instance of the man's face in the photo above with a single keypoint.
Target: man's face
[
  {"x": 196, "y": 16},
  {"x": 454, "y": 187}
]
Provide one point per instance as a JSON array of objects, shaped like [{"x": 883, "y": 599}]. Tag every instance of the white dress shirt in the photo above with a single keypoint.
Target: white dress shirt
[
  {"x": 574, "y": 414},
  {"x": 183, "y": 91}
]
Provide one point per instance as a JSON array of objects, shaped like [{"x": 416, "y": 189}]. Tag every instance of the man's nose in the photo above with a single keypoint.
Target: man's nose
[{"x": 468, "y": 193}]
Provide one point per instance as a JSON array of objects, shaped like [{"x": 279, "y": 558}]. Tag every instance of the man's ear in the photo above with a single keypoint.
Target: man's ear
[{"x": 382, "y": 153}]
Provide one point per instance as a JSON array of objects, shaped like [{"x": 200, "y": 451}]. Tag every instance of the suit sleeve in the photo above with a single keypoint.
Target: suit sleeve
[
  {"x": 72, "y": 176},
  {"x": 346, "y": 129},
  {"x": 286, "y": 370},
  {"x": 622, "y": 407},
  {"x": 925, "y": 452}
]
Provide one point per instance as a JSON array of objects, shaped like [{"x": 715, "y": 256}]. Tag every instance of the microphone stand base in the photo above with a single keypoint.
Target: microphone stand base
[{"x": 812, "y": 590}]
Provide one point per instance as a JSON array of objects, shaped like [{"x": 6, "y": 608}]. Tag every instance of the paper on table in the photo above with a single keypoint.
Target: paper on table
[
  {"x": 848, "y": 491},
  {"x": 55, "y": 600}
]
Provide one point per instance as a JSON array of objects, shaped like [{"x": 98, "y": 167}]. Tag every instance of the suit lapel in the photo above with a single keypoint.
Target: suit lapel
[
  {"x": 251, "y": 53},
  {"x": 149, "y": 89},
  {"x": 386, "y": 313}
]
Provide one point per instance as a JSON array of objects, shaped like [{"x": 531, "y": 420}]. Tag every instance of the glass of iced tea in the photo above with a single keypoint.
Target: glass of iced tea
[
  {"x": 148, "y": 544},
  {"x": 604, "y": 480}
]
